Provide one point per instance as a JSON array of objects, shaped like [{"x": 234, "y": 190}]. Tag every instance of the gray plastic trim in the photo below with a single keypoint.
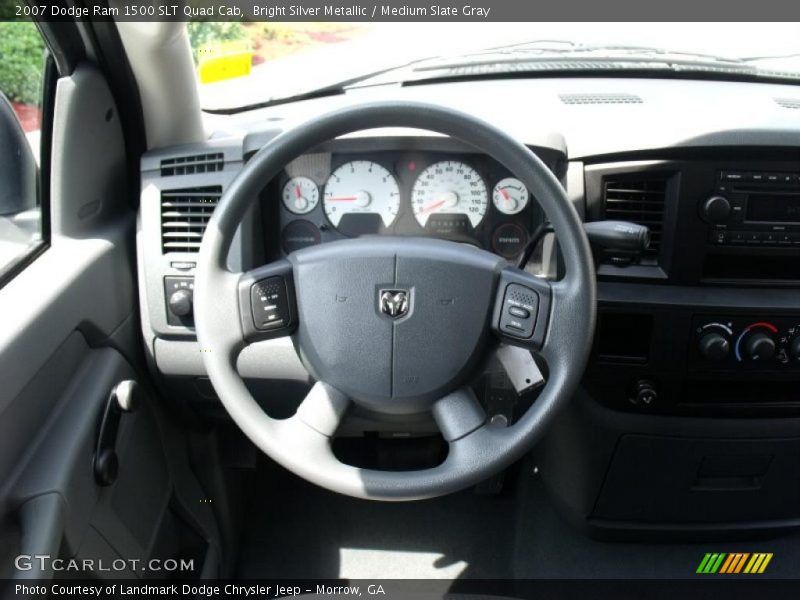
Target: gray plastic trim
[
  {"x": 42, "y": 520},
  {"x": 270, "y": 359}
]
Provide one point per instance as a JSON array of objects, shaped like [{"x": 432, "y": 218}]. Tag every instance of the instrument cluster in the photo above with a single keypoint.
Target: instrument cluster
[{"x": 457, "y": 196}]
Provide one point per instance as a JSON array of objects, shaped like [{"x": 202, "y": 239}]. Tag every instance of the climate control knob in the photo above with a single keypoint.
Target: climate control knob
[
  {"x": 716, "y": 210},
  {"x": 759, "y": 347},
  {"x": 180, "y": 303},
  {"x": 714, "y": 346}
]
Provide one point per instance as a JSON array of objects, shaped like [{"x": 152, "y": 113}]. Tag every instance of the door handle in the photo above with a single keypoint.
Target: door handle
[{"x": 124, "y": 398}]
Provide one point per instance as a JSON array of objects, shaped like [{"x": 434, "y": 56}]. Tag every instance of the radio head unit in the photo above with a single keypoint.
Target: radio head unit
[{"x": 754, "y": 208}]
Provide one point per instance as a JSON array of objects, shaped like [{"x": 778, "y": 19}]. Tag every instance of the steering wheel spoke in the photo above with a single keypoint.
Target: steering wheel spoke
[
  {"x": 323, "y": 408},
  {"x": 458, "y": 414},
  {"x": 267, "y": 304}
]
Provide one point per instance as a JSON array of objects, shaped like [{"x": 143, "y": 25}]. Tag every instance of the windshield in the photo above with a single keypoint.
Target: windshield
[{"x": 270, "y": 61}]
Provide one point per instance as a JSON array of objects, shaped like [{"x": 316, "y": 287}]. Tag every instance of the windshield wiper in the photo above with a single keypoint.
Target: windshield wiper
[
  {"x": 632, "y": 50},
  {"x": 751, "y": 59},
  {"x": 548, "y": 49}
]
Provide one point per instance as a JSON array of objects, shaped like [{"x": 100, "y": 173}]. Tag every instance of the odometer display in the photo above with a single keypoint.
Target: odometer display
[{"x": 449, "y": 187}]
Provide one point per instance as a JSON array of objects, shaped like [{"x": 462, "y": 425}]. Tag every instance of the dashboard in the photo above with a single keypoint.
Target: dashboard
[
  {"x": 464, "y": 197},
  {"x": 691, "y": 386}
]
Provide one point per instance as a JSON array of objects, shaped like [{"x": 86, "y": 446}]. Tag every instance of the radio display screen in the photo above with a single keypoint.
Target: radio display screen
[{"x": 774, "y": 208}]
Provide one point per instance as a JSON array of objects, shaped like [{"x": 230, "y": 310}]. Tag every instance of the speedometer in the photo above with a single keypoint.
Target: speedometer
[
  {"x": 361, "y": 187},
  {"x": 449, "y": 187}
]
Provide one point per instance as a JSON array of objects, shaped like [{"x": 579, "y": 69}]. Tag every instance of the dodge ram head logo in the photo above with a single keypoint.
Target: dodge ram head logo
[{"x": 393, "y": 303}]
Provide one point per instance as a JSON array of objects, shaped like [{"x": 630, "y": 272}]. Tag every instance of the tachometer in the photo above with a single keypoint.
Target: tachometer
[
  {"x": 510, "y": 196},
  {"x": 361, "y": 187},
  {"x": 300, "y": 195},
  {"x": 449, "y": 187}
]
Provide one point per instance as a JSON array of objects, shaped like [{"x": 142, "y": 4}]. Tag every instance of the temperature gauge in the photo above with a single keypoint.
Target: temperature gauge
[
  {"x": 300, "y": 195},
  {"x": 510, "y": 196}
]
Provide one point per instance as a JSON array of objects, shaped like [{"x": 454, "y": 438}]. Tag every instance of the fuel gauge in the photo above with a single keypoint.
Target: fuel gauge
[{"x": 510, "y": 196}]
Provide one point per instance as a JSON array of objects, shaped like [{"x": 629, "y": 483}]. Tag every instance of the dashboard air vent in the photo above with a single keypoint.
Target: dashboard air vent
[
  {"x": 184, "y": 216},
  {"x": 189, "y": 165},
  {"x": 789, "y": 102},
  {"x": 641, "y": 201},
  {"x": 600, "y": 99}
]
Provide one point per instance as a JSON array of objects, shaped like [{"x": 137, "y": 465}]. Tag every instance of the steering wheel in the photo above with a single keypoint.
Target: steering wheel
[{"x": 394, "y": 324}]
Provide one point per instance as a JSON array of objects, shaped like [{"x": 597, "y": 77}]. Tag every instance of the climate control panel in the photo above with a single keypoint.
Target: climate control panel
[{"x": 736, "y": 343}]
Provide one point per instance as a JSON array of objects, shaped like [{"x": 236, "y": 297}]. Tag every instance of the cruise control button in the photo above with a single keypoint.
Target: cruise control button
[
  {"x": 518, "y": 311},
  {"x": 518, "y": 317},
  {"x": 270, "y": 304}
]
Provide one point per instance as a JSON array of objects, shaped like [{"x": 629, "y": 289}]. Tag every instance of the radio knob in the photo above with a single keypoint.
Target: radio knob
[
  {"x": 716, "y": 210},
  {"x": 180, "y": 303},
  {"x": 714, "y": 346},
  {"x": 759, "y": 347}
]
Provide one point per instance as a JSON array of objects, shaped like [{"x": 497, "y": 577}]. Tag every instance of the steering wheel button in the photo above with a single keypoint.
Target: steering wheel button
[
  {"x": 518, "y": 317},
  {"x": 270, "y": 304},
  {"x": 519, "y": 312}
]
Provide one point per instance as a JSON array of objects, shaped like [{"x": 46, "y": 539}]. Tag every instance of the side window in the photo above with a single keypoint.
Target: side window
[{"x": 22, "y": 69}]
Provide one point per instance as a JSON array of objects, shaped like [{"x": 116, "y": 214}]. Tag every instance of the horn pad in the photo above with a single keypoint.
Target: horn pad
[{"x": 395, "y": 323}]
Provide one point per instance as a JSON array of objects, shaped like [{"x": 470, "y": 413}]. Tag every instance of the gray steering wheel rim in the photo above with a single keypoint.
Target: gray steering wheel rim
[{"x": 302, "y": 443}]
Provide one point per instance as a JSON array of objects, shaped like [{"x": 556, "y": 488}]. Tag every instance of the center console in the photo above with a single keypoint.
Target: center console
[
  {"x": 708, "y": 324},
  {"x": 687, "y": 423}
]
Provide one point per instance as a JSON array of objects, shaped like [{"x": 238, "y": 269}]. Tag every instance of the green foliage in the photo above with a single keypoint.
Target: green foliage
[
  {"x": 21, "y": 61},
  {"x": 208, "y": 32}
]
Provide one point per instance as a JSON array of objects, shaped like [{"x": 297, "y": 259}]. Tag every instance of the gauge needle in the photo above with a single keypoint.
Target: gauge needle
[
  {"x": 505, "y": 194},
  {"x": 297, "y": 193},
  {"x": 343, "y": 199},
  {"x": 432, "y": 206}
]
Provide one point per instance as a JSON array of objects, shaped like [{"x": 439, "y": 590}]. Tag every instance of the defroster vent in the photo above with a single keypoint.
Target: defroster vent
[
  {"x": 184, "y": 216},
  {"x": 639, "y": 200}
]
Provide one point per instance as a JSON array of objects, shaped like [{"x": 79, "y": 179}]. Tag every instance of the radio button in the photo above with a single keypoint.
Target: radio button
[
  {"x": 737, "y": 210},
  {"x": 718, "y": 237},
  {"x": 769, "y": 239},
  {"x": 736, "y": 237},
  {"x": 757, "y": 177},
  {"x": 773, "y": 178},
  {"x": 732, "y": 176},
  {"x": 784, "y": 239},
  {"x": 752, "y": 238}
]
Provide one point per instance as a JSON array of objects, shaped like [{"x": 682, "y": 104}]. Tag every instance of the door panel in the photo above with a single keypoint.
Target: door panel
[{"x": 65, "y": 343}]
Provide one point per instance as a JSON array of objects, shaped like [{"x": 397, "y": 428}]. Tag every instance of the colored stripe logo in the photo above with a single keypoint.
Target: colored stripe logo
[{"x": 734, "y": 563}]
